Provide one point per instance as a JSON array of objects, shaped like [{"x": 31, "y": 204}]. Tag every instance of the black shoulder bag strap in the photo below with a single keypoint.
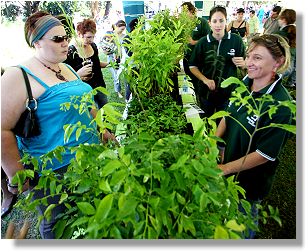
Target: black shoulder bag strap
[
  {"x": 29, "y": 91},
  {"x": 241, "y": 24}
]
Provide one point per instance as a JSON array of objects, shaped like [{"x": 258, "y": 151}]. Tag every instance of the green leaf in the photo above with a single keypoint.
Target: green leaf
[
  {"x": 232, "y": 224},
  {"x": 138, "y": 228},
  {"x": 219, "y": 114},
  {"x": 180, "y": 163},
  {"x": 59, "y": 228},
  {"x": 154, "y": 201},
  {"x": 63, "y": 197},
  {"x": 230, "y": 81},
  {"x": 220, "y": 233},
  {"x": 104, "y": 208},
  {"x": 104, "y": 186},
  {"x": 151, "y": 233},
  {"x": 204, "y": 201},
  {"x": 47, "y": 213},
  {"x": 188, "y": 224},
  {"x": 78, "y": 133},
  {"x": 86, "y": 208},
  {"x": 111, "y": 167},
  {"x": 115, "y": 233},
  {"x": 80, "y": 221},
  {"x": 180, "y": 199},
  {"x": 108, "y": 154},
  {"x": 234, "y": 236},
  {"x": 289, "y": 128}
]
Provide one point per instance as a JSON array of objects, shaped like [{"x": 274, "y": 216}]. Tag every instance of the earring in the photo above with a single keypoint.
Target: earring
[{"x": 273, "y": 74}]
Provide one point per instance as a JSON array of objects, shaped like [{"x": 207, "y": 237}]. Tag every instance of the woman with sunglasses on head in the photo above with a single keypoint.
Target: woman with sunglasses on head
[
  {"x": 52, "y": 84},
  {"x": 267, "y": 57},
  {"x": 215, "y": 58},
  {"x": 85, "y": 59}
]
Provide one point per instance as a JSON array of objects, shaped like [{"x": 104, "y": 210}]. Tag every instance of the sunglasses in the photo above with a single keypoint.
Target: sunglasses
[
  {"x": 273, "y": 40},
  {"x": 58, "y": 38}
]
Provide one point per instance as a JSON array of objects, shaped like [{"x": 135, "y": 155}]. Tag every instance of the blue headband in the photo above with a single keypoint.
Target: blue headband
[{"x": 43, "y": 25}]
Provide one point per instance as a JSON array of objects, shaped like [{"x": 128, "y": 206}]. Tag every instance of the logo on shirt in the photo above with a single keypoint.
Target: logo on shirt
[
  {"x": 232, "y": 52},
  {"x": 196, "y": 28},
  {"x": 252, "y": 120}
]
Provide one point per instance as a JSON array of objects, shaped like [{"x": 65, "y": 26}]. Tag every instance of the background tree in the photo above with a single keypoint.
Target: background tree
[
  {"x": 12, "y": 9},
  {"x": 9, "y": 10},
  {"x": 54, "y": 9}
]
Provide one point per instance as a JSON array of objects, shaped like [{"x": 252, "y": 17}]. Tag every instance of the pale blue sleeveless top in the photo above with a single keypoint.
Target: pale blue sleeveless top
[{"x": 51, "y": 120}]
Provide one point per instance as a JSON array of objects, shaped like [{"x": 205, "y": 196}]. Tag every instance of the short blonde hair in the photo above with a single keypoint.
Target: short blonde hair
[{"x": 277, "y": 46}]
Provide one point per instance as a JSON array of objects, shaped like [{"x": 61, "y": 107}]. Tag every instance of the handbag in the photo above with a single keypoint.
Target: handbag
[{"x": 27, "y": 125}]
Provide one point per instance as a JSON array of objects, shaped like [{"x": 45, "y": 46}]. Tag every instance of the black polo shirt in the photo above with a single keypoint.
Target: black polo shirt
[
  {"x": 214, "y": 59},
  {"x": 267, "y": 142}
]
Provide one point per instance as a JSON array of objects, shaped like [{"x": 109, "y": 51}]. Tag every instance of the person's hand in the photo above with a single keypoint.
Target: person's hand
[
  {"x": 210, "y": 84},
  {"x": 12, "y": 188},
  {"x": 239, "y": 61},
  {"x": 85, "y": 72},
  {"x": 222, "y": 167}
]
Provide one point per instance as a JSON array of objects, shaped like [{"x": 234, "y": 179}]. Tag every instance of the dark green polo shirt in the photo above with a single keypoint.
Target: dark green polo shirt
[
  {"x": 268, "y": 142},
  {"x": 202, "y": 29},
  {"x": 214, "y": 59}
]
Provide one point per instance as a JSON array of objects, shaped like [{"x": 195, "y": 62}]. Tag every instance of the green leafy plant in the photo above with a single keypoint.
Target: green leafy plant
[
  {"x": 260, "y": 107},
  {"x": 149, "y": 189},
  {"x": 160, "y": 117},
  {"x": 156, "y": 53},
  {"x": 214, "y": 65},
  {"x": 152, "y": 187}
]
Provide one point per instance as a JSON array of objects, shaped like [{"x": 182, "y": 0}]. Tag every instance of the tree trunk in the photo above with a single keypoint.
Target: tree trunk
[
  {"x": 94, "y": 9},
  {"x": 107, "y": 8}
]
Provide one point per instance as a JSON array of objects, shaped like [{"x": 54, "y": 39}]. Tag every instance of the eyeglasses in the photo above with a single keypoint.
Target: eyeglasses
[
  {"x": 59, "y": 38},
  {"x": 273, "y": 40}
]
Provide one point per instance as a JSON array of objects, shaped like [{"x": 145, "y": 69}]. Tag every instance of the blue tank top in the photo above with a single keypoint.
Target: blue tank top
[{"x": 51, "y": 120}]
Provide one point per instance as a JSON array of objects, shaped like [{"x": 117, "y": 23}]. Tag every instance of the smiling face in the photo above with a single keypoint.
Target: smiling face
[
  {"x": 49, "y": 49},
  {"x": 218, "y": 24},
  {"x": 260, "y": 64}
]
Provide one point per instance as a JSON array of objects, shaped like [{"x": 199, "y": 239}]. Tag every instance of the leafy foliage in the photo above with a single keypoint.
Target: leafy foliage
[
  {"x": 160, "y": 117},
  {"x": 10, "y": 11},
  {"x": 152, "y": 187},
  {"x": 156, "y": 52},
  {"x": 166, "y": 188},
  {"x": 68, "y": 7},
  {"x": 214, "y": 65}
]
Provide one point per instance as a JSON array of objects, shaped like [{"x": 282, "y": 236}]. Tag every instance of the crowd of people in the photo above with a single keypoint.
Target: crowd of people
[{"x": 59, "y": 70}]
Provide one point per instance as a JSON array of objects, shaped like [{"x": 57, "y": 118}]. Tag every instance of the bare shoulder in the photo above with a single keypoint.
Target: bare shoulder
[
  {"x": 11, "y": 76},
  {"x": 11, "y": 83}
]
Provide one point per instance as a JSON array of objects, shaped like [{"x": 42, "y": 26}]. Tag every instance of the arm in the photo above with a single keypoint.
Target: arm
[
  {"x": 103, "y": 64},
  {"x": 13, "y": 97},
  {"x": 252, "y": 160},
  {"x": 221, "y": 129},
  {"x": 210, "y": 83},
  {"x": 239, "y": 60},
  {"x": 247, "y": 30}
]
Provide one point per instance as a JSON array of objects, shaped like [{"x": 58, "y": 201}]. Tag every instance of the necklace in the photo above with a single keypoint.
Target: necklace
[{"x": 58, "y": 73}]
